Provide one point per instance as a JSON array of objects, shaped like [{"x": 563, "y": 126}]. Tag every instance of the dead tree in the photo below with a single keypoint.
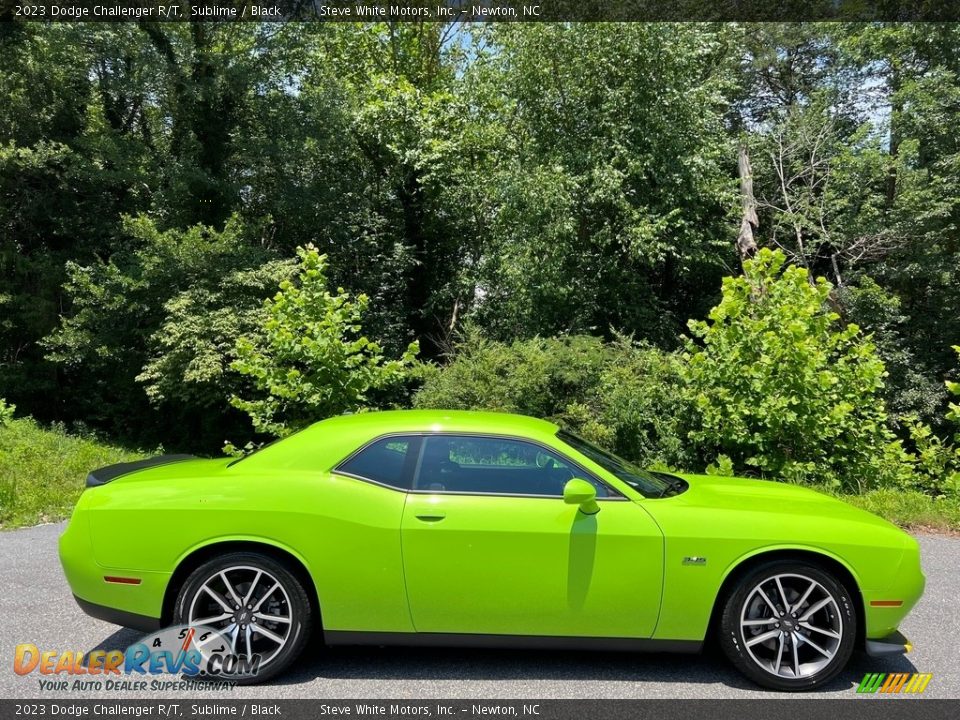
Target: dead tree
[{"x": 746, "y": 243}]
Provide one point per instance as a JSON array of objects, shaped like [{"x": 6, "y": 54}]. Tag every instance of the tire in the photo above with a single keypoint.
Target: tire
[
  {"x": 276, "y": 593},
  {"x": 817, "y": 631}
]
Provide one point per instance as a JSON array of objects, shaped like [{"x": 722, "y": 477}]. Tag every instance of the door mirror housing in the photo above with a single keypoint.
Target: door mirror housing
[{"x": 580, "y": 492}]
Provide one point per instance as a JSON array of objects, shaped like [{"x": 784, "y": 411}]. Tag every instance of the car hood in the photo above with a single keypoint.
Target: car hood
[{"x": 771, "y": 498}]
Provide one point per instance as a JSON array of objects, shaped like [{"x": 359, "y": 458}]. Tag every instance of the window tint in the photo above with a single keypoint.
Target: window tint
[
  {"x": 384, "y": 461},
  {"x": 455, "y": 463}
]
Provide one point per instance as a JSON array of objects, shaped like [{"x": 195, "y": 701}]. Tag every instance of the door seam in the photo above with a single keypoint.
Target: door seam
[{"x": 403, "y": 558}]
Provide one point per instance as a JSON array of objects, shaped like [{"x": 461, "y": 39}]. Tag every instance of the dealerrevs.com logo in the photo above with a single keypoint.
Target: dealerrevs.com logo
[
  {"x": 194, "y": 653},
  {"x": 894, "y": 683}
]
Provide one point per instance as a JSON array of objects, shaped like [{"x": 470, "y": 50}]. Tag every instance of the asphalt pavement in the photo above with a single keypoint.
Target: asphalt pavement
[{"x": 36, "y": 607}]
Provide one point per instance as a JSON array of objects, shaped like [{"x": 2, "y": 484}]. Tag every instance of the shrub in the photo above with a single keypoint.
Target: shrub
[
  {"x": 785, "y": 390},
  {"x": 938, "y": 460},
  {"x": 6, "y": 412},
  {"x": 953, "y": 409},
  {"x": 624, "y": 395},
  {"x": 309, "y": 360}
]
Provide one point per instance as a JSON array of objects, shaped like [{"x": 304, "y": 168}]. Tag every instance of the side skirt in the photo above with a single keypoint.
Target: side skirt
[{"x": 532, "y": 642}]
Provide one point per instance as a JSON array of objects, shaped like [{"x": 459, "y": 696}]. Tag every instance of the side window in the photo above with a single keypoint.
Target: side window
[
  {"x": 461, "y": 463},
  {"x": 388, "y": 461}
]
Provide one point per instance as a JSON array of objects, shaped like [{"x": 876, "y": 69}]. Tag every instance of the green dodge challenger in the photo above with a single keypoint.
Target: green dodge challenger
[{"x": 486, "y": 529}]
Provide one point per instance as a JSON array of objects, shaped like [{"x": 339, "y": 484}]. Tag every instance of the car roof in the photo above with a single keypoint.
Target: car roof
[
  {"x": 438, "y": 421},
  {"x": 323, "y": 444}
]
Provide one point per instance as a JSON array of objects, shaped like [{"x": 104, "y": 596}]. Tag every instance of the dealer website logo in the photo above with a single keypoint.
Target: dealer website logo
[
  {"x": 194, "y": 653},
  {"x": 894, "y": 683}
]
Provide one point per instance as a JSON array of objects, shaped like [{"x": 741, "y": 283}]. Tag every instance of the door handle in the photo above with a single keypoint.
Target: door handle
[{"x": 432, "y": 516}]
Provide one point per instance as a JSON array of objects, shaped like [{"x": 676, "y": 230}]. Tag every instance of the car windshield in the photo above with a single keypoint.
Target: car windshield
[{"x": 644, "y": 482}]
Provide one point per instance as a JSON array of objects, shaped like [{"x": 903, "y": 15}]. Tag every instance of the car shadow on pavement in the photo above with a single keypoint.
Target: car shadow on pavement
[
  {"x": 364, "y": 663},
  {"x": 442, "y": 664},
  {"x": 120, "y": 640}
]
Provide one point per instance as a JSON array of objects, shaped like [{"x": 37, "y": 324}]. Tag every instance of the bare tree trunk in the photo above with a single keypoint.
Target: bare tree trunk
[{"x": 746, "y": 244}]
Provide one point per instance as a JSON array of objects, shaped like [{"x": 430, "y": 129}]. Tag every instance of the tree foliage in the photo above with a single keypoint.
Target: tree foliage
[
  {"x": 308, "y": 358},
  {"x": 532, "y": 181},
  {"x": 608, "y": 181},
  {"x": 153, "y": 328}
]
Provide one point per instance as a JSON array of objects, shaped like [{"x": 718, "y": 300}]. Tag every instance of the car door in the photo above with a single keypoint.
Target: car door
[{"x": 490, "y": 547}]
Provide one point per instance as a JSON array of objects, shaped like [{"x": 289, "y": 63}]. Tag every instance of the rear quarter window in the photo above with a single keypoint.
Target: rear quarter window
[{"x": 387, "y": 461}]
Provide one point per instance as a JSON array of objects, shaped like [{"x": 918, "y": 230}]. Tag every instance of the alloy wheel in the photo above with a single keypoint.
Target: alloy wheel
[
  {"x": 791, "y": 625},
  {"x": 249, "y": 606}
]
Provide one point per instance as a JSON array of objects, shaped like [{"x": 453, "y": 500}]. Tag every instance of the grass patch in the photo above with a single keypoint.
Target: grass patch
[
  {"x": 42, "y": 471},
  {"x": 911, "y": 509}
]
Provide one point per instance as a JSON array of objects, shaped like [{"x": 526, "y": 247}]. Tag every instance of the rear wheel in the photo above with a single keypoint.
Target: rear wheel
[
  {"x": 789, "y": 626},
  {"x": 256, "y": 603}
]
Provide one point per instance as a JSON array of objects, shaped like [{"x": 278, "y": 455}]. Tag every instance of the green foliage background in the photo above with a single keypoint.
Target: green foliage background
[{"x": 541, "y": 208}]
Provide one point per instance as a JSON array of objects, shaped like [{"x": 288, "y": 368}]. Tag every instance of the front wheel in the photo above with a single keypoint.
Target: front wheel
[
  {"x": 258, "y": 606},
  {"x": 789, "y": 626}
]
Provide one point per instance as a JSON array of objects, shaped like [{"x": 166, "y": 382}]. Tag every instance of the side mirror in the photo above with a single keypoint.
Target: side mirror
[{"x": 580, "y": 492}]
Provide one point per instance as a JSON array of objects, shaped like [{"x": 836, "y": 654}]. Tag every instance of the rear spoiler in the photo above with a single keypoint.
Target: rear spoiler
[{"x": 101, "y": 476}]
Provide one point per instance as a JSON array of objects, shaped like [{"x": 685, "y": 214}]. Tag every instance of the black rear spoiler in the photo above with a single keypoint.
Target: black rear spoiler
[{"x": 101, "y": 476}]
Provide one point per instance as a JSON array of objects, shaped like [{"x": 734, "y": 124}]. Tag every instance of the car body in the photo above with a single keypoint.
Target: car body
[{"x": 478, "y": 528}]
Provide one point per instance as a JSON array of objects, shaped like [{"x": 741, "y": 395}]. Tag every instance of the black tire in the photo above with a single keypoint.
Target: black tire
[
  {"x": 290, "y": 598},
  {"x": 758, "y": 659}
]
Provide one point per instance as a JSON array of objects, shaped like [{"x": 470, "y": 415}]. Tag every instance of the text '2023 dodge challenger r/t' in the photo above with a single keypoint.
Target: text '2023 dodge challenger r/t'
[{"x": 486, "y": 529}]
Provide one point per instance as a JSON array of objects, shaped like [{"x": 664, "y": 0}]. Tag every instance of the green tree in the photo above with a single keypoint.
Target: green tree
[
  {"x": 309, "y": 360},
  {"x": 855, "y": 157},
  {"x": 65, "y": 177},
  {"x": 854, "y": 165},
  {"x": 609, "y": 195},
  {"x": 784, "y": 389},
  {"x": 911, "y": 389},
  {"x": 152, "y": 331}
]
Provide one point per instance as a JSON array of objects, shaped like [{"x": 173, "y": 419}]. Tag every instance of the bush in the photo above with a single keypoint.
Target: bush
[
  {"x": 6, "y": 412},
  {"x": 785, "y": 390},
  {"x": 772, "y": 384},
  {"x": 624, "y": 395},
  {"x": 938, "y": 460},
  {"x": 953, "y": 409},
  {"x": 309, "y": 359}
]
